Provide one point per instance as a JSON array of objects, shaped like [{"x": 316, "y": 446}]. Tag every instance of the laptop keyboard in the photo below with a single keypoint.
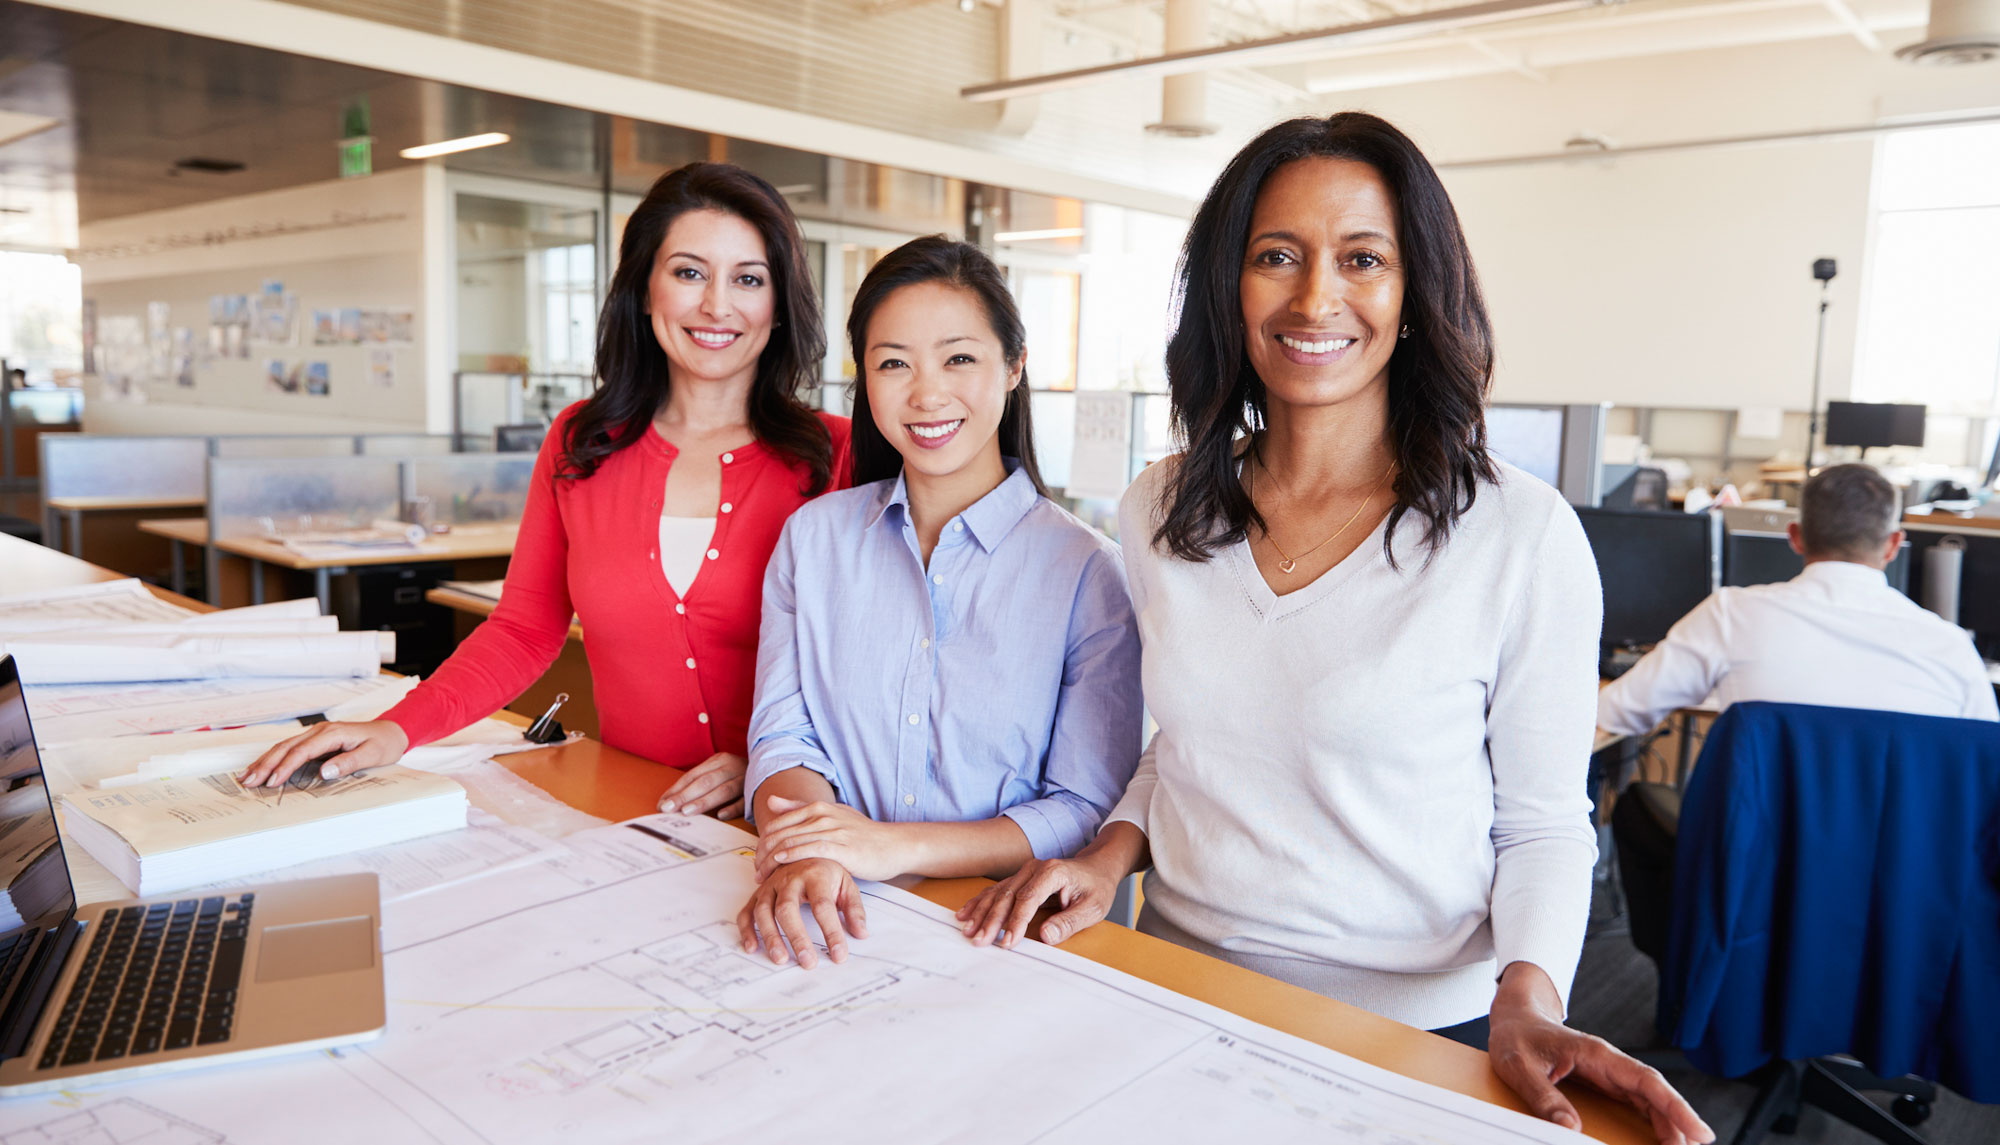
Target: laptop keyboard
[{"x": 157, "y": 977}]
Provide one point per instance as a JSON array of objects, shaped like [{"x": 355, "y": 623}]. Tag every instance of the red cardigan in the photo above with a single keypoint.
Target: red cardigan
[{"x": 672, "y": 677}]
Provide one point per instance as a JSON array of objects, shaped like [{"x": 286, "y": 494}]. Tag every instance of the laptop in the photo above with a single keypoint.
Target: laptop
[{"x": 124, "y": 989}]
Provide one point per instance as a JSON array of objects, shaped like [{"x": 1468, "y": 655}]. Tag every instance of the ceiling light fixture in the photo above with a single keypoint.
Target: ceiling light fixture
[
  {"x": 1036, "y": 236},
  {"x": 454, "y": 146},
  {"x": 208, "y": 166}
]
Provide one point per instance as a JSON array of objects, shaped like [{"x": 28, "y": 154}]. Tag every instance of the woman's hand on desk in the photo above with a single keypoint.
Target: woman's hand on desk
[
  {"x": 822, "y": 886},
  {"x": 715, "y": 784},
  {"x": 1085, "y": 886},
  {"x": 1531, "y": 1050},
  {"x": 376, "y": 743},
  {"x": 820, "y": 830}
]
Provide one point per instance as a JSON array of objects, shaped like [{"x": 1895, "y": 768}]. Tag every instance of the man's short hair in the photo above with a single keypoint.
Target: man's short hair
[{"x": 1848, "y": 511}]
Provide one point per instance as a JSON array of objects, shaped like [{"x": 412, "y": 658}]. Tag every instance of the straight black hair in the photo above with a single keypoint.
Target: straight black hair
[
  {"x": 1438, "y": 376},
  {"x": 935, "y": 258},
  {"x": 631, "y": 367}
]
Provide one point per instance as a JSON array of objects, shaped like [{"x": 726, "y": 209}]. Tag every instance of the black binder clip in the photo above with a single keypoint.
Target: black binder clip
[{"x": 546, "y": 729}]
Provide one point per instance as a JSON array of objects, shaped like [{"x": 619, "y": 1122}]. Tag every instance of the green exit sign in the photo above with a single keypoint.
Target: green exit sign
[{"x": 357, "y": 157}]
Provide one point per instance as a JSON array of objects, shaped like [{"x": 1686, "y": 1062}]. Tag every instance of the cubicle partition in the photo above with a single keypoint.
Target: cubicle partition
[
  {"x": 85, "y": 471},
  {"x": 472, "y": 488},
  {"x": 403, "y": 444},
  {"x": 281, "y": 445}
]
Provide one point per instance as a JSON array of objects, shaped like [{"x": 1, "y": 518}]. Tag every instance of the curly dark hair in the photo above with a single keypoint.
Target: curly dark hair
[
  {"x": 631, "y": 367},
  {"x": 1438, "y": 376}
]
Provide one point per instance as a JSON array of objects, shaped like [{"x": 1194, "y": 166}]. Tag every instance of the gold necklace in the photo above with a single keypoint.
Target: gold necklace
[{"x": 1288, "y": 564}]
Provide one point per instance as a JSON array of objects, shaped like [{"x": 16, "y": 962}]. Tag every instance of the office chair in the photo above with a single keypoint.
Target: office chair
[{"x": 1835, "y": 921}]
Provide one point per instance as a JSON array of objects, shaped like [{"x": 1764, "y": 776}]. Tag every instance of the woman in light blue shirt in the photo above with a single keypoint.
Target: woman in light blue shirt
[{"x": 948, "y": 669}]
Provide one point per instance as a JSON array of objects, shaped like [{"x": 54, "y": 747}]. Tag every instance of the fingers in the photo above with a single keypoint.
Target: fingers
[
  {"x": 698, "y": 795},
  {"x": 797, "y": 814},
  {"x": 987, "y": 910},
  {"x": 816, "y": 845},
  {"x": 284, "y": 757},
  {"x": 1028, "y": 900},
  {"x": 793, "y": 924},
  {"x": 1085, "y": 911},
  {"x": 746, "y": 926},
  {"x": 827, "y": 914},
  {"x": 852, "y": 909},
  {"x": 767, "y": 925},
  {"x": 1623, "y": 1077},
  {"x": 730, "y": 810},
  {"x": 1527, "y": 1074}
]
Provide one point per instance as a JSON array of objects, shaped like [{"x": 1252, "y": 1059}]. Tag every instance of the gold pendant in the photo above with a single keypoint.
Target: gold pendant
[{"x": 1287, "y": 566}]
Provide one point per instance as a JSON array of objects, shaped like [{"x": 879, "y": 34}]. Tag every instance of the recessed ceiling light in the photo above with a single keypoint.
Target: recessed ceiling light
[
  {"x": 1034, "y": 236},
  {"x": 453, "y": 146},
  {"x": 208, "y": 166}
]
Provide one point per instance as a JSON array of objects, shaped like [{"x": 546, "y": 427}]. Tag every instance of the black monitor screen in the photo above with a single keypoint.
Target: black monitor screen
[
  {"x": 1767, "y": 558},
  {"x": 34, "y": 882},
  {"x": 1869, "y": 424},
  {"x": 1655, "y": 567}
]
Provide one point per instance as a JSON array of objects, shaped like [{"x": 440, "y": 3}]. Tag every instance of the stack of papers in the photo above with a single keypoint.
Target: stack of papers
[{"x": 171, "y": 834}]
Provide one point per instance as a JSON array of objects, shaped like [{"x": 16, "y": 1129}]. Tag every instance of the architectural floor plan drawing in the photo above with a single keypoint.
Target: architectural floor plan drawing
[{"x": 605, "y": 997}]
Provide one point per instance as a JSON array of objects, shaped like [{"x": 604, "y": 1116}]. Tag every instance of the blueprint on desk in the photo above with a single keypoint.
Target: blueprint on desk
[{"x": 602, "y": 996}]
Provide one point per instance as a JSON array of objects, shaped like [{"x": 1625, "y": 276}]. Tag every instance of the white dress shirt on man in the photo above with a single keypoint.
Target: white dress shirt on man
[{"x": 1835, "y": 635}]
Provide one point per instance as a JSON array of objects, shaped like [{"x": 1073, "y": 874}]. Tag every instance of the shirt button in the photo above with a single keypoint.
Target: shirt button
[
  {"x": 937, "y": 580},
  {"x": 913, "y": 717},
  {"x": 703, "y": 717},
  {"x": 927, "y": 642},
  {"x": 958, "y": 526},
  {"x": 727, "y": 507},
  {"x": 690, "y": 661},
  {"x": 682, "y": 609},
  {"x": 909, "y": 801},
  {"x": 712, "y": 554},
  {"x": 728, "y": 457}
]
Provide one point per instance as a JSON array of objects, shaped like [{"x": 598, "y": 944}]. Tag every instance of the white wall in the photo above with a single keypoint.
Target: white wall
[
  {"x": 1677, "y": 279},
  {"x": 346, "y": 243}
]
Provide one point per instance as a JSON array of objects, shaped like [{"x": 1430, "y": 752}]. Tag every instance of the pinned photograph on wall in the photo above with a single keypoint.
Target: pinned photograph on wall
[
  {"x": 157, "y": 314},
  {"x": 273, "y": 289},
  {"x": 374, "y": 326},
  {"x": 159, "y": 342},
  {"x": 276, "y": 322},
  {"x": 277, "y": 379},
  {"x": 402, "y": 324},
  {"x": 184, "y": 349},
  {"x": 382, "y": 367},
  {"x": 350, "y": 327},
  {"x": 229, "y": 325},
  {"x": 326, "y": 327},
  {"x": 316, "y": 378},
  {"x": 235, "y": 344}
]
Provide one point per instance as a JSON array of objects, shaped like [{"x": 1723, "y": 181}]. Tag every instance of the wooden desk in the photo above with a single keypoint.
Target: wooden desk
[
  {"x": 110, "y": 525},
  {"x": 1950, "y": 521},
  {"x": 569, "y": 674},
  {"x": 616, "y": 785},
  {"x": 463, "y": 543}
]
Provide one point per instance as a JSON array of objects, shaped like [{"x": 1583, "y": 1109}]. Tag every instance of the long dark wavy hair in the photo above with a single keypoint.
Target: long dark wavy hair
[
  {"x": 935, "y": 258},
  {"x": 631, "y": 367},
  {"x": 1438, "y": 376}
]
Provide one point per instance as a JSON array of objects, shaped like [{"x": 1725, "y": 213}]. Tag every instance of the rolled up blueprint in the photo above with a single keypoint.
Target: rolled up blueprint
[
  {"x": 107, "y": 658},
  {"x": 1943, "y": 566}
]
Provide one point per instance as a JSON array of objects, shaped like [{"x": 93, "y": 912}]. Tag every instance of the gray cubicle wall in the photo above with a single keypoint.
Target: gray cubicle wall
[
  {"x": 403, "y": 444},
  {"x": 472, "y": 488},
  {"x": 282, "y": 445},
  {"x": 252, "y": 497},
  {"x": 116, "y": 465}
]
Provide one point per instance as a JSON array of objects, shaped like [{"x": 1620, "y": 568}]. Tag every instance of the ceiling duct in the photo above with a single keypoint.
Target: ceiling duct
[
  {"x": 1184, "y": 98},
  {"x": 1961, "y": 32}
]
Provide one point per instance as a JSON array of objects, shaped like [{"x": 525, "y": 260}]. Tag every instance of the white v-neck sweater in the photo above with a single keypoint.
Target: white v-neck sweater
[{"x": 1373, "y": 786}]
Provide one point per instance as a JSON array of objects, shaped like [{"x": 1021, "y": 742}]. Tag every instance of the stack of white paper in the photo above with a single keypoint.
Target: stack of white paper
[
  {"x": 171, "y": 834},
  {"x": 103, "y": 657}
]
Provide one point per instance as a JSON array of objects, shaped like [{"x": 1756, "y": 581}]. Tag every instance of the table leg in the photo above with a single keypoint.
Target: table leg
[
  {"x": 256, "y": 581},
  {"x": 211, "y": 574},
  {"x": 180, "y": 570},
  {"x": 75, "y": 537},
  {"x": 323, "y": 586}
]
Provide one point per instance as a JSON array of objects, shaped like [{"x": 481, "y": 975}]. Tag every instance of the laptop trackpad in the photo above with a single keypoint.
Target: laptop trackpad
[{"x": 307, "y": 949}]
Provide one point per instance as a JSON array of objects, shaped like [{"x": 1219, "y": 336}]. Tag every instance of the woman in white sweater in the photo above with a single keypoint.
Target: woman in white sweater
[{"x": 1370, "y": 646}]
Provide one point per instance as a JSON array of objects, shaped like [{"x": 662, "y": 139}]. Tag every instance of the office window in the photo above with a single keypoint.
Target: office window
[
  {"x": 41, "y": 315},
  {"x": 569, "y": 307},
  {"x": 1930, "y": 312}
]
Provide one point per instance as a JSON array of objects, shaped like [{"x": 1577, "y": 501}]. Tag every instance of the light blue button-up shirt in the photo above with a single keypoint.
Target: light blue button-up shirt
[{"x": 1001, "y": 680}]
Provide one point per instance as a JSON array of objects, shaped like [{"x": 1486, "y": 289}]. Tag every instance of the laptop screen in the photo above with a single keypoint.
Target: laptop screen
[{"x": 34, "y": 882}]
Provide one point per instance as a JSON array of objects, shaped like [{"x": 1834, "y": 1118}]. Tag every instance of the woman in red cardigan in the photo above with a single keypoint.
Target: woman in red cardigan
[{"x": 655, "y": 504}]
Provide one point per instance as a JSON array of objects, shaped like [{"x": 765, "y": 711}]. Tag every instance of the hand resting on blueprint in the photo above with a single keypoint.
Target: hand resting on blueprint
[
  {"x": 817, "y": 829},
  {"x": 715, "y": 784},
  {"x": 822, "y": 886},
  {"x": 374, "y": 743}
]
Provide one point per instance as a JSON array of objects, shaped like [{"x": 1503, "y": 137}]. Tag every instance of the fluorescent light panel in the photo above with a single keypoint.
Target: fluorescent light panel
[
  {"x": 1035, "y": 236},
  {"x": 453, "y": 146}
]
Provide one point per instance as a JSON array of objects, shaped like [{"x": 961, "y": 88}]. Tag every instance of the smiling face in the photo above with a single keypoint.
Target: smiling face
[
  {"x": 937, "y": 380},
  {"x": 711, "y": 300},
  {"x": 1322, "y": 283}
]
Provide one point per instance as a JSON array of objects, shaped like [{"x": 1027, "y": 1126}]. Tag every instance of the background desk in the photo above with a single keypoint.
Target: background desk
[
  {"x": 464, "y": 544},
  {"x": 105, "y": 529},
  {"x": 570, "y": 673}
]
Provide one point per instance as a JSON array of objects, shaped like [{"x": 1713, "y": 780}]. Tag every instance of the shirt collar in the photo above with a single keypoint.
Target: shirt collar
[
  {"x": 1845, "y": 572},
  {"x": 990, "y": 518}
]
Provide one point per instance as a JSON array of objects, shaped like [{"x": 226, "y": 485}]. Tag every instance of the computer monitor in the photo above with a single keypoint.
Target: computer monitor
[
  {"x": 1871, "y": 424},
  {"x": 1655, "y": 567},
  {"x": 1978, "y": 579},
  {"x": 519, "y": 438},
  {"x": 1752, "y": 557},
  {"x": 1529, "y": 438}
]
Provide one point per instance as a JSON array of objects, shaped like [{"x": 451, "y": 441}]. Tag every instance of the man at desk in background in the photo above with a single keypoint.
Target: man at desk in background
[{"x": 1835, "y": 635}]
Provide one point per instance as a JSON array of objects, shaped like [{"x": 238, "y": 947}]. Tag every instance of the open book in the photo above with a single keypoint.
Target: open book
[{"x": 171, "y": 834}]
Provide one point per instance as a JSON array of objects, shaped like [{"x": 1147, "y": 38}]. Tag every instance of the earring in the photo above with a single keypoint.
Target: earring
[{"x": 1406, "y": 331}]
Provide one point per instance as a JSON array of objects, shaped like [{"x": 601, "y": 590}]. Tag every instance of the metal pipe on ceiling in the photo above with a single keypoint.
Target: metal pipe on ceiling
[{"x": 1723, "y": 142}]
